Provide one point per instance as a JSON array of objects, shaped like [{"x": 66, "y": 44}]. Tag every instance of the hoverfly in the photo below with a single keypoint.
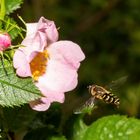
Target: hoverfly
[{"x": 101, "y": 93}]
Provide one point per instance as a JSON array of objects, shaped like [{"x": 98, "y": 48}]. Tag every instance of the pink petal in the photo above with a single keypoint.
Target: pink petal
[
  {"x": 73, "y": 83},
  {"x": 66, "y": 51},
  {"x": 58, "y": 77},
  {"x": 35, "y": 42},
  {"x": 31, "y": 29},
  {"x": 40, "y": 34},
  {"x": 21, "y": 64},
  {"x": 41, "y": 104},
  {"x": 49, "y": 28},
  {"x": 53, "y": 96}
]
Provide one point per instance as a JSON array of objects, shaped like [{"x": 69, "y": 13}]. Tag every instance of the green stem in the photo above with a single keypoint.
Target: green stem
[{"x": 2, "y": 9}]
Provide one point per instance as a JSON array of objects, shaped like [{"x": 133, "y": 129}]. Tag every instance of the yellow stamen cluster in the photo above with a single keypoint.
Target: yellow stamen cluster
[{"x": 38, "y": 64}]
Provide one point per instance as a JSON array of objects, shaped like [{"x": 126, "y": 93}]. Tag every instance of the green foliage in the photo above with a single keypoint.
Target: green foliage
[
  {"x": 109, "y": 34},
  {"x": 43, "y": 137},
  {"x": 7, "y": 24},
  {"x": 111, "y": 127},
  {"x": 14, "y": 123},
  {"x": 87, "y": 107},
  {"x": 57, "y": 138},
  {"x": 43, "y": 134},
  {"x": 12, "y": 5},
  {"x": 10, "y": 26},
  {"x": 15, "y": 91},
  {"x": 79, "y": 129}
]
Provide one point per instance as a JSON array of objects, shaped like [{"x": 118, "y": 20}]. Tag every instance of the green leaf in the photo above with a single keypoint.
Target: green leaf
[
  {"x": 114, "y": 128},
  {"x": 79, "y": 129},
  {"x": 15, "y": 91},
  {"x": 57, "y": 138},
  {"x": 12, "y": 5}
]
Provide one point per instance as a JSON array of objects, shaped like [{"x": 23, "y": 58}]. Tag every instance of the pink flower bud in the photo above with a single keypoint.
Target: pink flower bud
[{"x": 5, "y": 41}]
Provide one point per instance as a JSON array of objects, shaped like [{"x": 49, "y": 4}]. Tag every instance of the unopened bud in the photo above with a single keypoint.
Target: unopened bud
[{"x": 5, "y": 41}]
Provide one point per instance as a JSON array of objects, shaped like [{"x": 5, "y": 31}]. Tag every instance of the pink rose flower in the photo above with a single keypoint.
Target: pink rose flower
[
  {"x": 52, "y": 64},
  {"x": 5, "y": 41}
]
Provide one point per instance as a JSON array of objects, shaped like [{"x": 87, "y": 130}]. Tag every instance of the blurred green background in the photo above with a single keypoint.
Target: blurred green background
[{"x": 108, "y": 32}]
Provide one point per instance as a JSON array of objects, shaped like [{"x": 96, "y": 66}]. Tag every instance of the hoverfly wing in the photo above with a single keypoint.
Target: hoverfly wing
[
  {"x": 114, "y": 85},
  {"x": 86, "y": 107}
]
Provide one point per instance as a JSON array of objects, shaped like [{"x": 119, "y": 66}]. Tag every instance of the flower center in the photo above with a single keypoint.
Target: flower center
[{"x": 38, "y": 64}]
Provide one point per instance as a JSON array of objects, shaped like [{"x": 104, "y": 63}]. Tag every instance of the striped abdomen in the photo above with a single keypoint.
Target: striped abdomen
[{"x": 111, "y": 98}]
